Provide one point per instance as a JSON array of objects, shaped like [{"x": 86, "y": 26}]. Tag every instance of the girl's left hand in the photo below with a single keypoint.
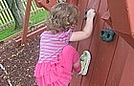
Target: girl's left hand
[{"x": 90, "y": 13}]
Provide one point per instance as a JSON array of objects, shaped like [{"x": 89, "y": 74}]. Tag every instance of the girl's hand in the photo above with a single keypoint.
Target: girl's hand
[
  {"x": 87, "y": 30},
  {"x": 90, "y": 14}
]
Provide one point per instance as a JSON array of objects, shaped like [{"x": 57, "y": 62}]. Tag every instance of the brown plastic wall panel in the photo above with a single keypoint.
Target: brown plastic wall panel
[
  {"x": 102, "y": 52},
  {"x": 128, "y": 38},
  {"x": 131, "y": 15},
  {"x": 122, "y": 71},
  {"x": 122, "y": 16},
  {"x": 82, "y": 4},
  {"x": 93, "y": 48},
  {"x": 101, "y": 58},
  {"x": 111, "y": 62},
  {"x": 93, "y": 42},
  {"x": 119, "y": 15},
  {"x": 127, "y": 78}
]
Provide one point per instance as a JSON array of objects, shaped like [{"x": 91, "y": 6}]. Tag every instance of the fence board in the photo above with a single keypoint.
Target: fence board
[{"x": 6, "y": 18}]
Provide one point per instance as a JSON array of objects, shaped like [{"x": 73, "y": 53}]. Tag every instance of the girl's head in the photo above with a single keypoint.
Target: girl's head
[{"x": 61, "y": 17}]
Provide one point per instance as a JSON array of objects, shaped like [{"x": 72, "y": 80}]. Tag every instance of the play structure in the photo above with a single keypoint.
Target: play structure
[{"x": 111, "y": 44}]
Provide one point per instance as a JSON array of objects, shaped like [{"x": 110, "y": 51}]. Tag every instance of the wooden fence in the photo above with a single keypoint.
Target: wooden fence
[{"x": 6, "y": 18}]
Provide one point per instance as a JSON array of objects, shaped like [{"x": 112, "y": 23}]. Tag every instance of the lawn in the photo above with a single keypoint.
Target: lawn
[{"x": 34, "y": 19}]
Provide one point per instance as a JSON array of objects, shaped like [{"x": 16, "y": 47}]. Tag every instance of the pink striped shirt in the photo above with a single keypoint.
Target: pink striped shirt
[{"x": 52, "y": 44}]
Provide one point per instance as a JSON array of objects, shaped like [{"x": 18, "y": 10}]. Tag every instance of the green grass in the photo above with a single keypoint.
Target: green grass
[
  {"x": 41, "y": 16},
  {"x": 34, "y": 19},
  {"x": 8, "y": 32}
]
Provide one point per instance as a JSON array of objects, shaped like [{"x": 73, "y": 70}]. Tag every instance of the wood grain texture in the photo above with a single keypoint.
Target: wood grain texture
[{"x": 122, "y": 55}]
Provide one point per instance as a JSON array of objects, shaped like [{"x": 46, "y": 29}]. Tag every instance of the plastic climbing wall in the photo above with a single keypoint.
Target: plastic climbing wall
[
  {"x": 112, "y": 56},
  {"x": 111, "y": 43}
]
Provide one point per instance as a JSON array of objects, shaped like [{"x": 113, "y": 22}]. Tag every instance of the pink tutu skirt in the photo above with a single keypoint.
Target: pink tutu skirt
[
  {"x": 57, "y": 72},
  {"x": 52, "y": 73}
]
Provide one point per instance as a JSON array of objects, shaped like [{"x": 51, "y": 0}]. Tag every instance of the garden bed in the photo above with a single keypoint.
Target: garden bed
[{"x": 19, "y": 62}]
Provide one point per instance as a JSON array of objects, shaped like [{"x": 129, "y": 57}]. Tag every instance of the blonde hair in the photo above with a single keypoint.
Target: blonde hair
[{"x": 61, "y": 17}]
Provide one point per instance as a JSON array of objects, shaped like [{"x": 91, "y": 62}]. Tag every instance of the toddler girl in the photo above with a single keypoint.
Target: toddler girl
[{"x": 57, "y": 57}]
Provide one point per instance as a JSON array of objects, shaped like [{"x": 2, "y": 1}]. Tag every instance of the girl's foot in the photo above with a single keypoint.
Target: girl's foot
[{"x": 85, "y": 61}]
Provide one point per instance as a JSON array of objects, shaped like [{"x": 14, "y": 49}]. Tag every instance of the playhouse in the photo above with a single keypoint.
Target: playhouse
[{"x": 111, "y": 43}]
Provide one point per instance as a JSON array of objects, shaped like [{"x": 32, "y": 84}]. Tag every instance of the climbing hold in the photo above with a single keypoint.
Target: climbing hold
[
  {"x": 107, "y": 35},
  {"x": 85, "y": 16}
]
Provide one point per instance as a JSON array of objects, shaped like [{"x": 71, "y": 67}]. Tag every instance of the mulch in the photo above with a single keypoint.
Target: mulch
[{"x": 19, "y": 62}]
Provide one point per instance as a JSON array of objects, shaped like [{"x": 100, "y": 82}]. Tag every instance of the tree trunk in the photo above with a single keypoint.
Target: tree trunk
[{"x": 16, "y": 9}]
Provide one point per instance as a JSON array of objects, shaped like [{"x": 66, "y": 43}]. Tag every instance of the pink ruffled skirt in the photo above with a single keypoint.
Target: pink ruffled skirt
[{"x": 58, "y": 72}]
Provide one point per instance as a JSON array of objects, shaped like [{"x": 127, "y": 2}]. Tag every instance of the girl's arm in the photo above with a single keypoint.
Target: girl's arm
[{"x": 86, "y": 32}]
